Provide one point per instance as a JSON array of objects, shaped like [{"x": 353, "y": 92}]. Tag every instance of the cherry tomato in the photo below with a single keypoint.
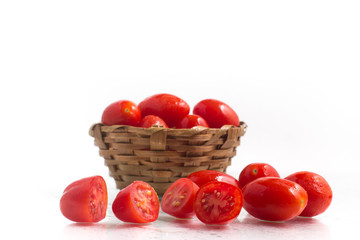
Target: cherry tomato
[
  {"x": 150, "y": 120},
  {"x": 256, "y": 170},
  {"x": 122, "y": 112},
  {"x": 178, "y": 200},
  {"x": 168, "y": 107},
  {"x": 205, "y": 176},
  {"x": 191, "y": 121},
  {"x": 218, "y": 203},
  {"x": 137, "y": 203},
  {"x": 216, "y": 113},
  {"x": 318, "y": 190},
  {"x": 85, "y": 200},
  {"x": 274, "y": 199}
]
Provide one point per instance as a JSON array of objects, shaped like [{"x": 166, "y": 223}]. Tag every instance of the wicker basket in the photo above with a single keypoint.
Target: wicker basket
[{"x": 160, "y": 156}]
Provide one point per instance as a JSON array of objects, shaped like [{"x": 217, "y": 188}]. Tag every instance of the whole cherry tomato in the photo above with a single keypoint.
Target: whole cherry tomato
[
  {"x": 137, "y": 203},
  {"x": 318, "y": 190},
  {"x": 274, "y": 199},
  {"x": 168, "y": 107},
  {"x": 216, "y": 113},
  {"x": 256, "y": 170},
  {"x": 218, "y": 203},
  {"x": 85, "y": 200},
  {"x": 122, "y": 112},
  {"x": 178, "y": 200},
  {"x": 150, "y": 120},
  {"x": 191, "y": 121},
  {"x": 204, "y": 176}
]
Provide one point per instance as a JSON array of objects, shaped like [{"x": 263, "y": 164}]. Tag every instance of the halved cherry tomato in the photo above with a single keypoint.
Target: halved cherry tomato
[
  {"x": 150, "y": 120},
  {"x": 218, "y": 203},
  {"x": 256, "y": 170},
  {"x": 274, "y": 199},
  {"x": 216, "y": 113},
  {"x": 85, "y": 200},
  {"x": 178, "y": 200},
  {"x": 318, "y": 190},
  {"x": 168, "y": 107},
  {"x": 137, "y": 203},
  {"x": 192, "y": 120},
  {"x": 204, "y": 176},
  {"x": 122, "y": 112}
]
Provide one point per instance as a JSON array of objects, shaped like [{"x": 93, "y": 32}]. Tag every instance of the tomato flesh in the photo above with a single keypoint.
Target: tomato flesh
[
  {"x": 218, "y": 203},
  {"x": 122, "y": 112},
  {"x": 256, "y": 170},
  {"x": 204, "y": 176},
  {"x": 178, "y": 199}
]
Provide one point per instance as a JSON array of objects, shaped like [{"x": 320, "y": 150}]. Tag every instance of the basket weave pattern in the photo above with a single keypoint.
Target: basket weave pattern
[{"x": 160, "y": 156}]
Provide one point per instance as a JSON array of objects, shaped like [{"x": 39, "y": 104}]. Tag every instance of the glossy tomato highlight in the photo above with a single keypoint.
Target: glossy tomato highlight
[
  {"x": 122, "y": 112},
  {"x": 256, "y": 170},
  {"x": 204, "y": 176}
]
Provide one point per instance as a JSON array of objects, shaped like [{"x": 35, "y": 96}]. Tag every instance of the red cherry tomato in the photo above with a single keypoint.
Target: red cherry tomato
[
  {"x": 150, "y": 120},
  {"x": 256, "y": 170},
  {"x": 216, "y": 113},
  {"x": 218, "y": 203},
  {"x": 137, "y": 203},
  {"x": 318, "y": 190},
  {"x": 168, "y": 107},
  {"x": 191, "y": 121},
  {"x": 178, "y": 200},
  {"x": 204, "y": 176},
  {"x": 274, "y": 199},
  {"x": 122, "y": 112},
  {"x": 85, "y": 200}
]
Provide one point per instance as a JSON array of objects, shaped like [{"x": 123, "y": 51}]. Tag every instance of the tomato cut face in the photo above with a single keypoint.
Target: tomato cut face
[
  {"x": 204, "y": 176},
  {"x": 178, "y": 200},
  {"x": 137, "y": 203},
  {"x": 256, "y": 170},
  {"x": 218, "y": 203}
]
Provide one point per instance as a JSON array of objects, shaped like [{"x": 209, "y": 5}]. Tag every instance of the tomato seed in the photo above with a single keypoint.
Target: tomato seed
[
  {"x": 218, "y": 194},
  {"x": 182, "y": 196},
  {"x": 176, "y": 203}
]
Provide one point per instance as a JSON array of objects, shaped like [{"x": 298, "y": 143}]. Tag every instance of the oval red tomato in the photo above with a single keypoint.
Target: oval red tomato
[
  {"x": 216, "y": 113},
  {"x": 204, "y": 176},
  {"x": 274, "y": 199},
  {"x": 178, "y": 200},
  {"x": 318, "y": 190},
  {"x": 85, "y": 200},
  {"x": 256, "y": 170},
  {"x": 168, "y": 107},
  {"x": 122, "y": 112},
  {"x": 137, "y": 203},
  {"x": 191, "y": 121},
  {"x": 218, "y": 203},
  {"x": 150, "y": 120}
]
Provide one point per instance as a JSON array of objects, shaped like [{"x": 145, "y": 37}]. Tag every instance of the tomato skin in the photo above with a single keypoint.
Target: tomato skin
[
  {"x": 150, "y": 120},
  {"x": 274, "y": 199},
  {"x": 216, "y": 113},
  {"x": 218, "y": 203},
  {"x": 178, "y": 199},
  {"x": 85, "y": 200},
  {"x": 318, "y": 190},
  {"x": 204, "y": 176},
  {"x": 168, "y": 107},
  {"x": 122, "y": 112},
  {"x": 192, "y": 120},
  {"x": 256, "y": 170},
  {"x": 136, "y": 203}
]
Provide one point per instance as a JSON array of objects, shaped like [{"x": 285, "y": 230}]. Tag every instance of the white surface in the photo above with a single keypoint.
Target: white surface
[{"x": 290, "y": 70}]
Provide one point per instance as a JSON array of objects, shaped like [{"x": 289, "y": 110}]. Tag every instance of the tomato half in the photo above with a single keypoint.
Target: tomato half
[
  {"x": 150, "y": 120},
  {"x": 122, "y": 112},
  {"x": 137, "y": 203},
  {"x": 85, "y": 200},
  {"x": 218, "y": 203},
  {"x": 256, "y": 170},
  {"x": 216, "y": 113},
  {"x": 192, "y": 120},
  {"x": 178, "y": 200},
  {"x": 318, "y": 190},
  {"x": 168, "y": 107},
  {"x": 204, "y": 176},
  {"x": 274, "y": 199}
]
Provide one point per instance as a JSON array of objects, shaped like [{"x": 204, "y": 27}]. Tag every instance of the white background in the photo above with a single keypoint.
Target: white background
[{"x": 290, "y": 69}]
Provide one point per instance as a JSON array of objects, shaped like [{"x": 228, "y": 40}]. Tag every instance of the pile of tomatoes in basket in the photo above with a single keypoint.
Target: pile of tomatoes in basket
[{"x": 213, "y": 197}]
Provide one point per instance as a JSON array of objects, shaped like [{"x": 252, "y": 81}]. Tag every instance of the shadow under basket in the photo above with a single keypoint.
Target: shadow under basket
[{"x": 160, "y": 156}]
